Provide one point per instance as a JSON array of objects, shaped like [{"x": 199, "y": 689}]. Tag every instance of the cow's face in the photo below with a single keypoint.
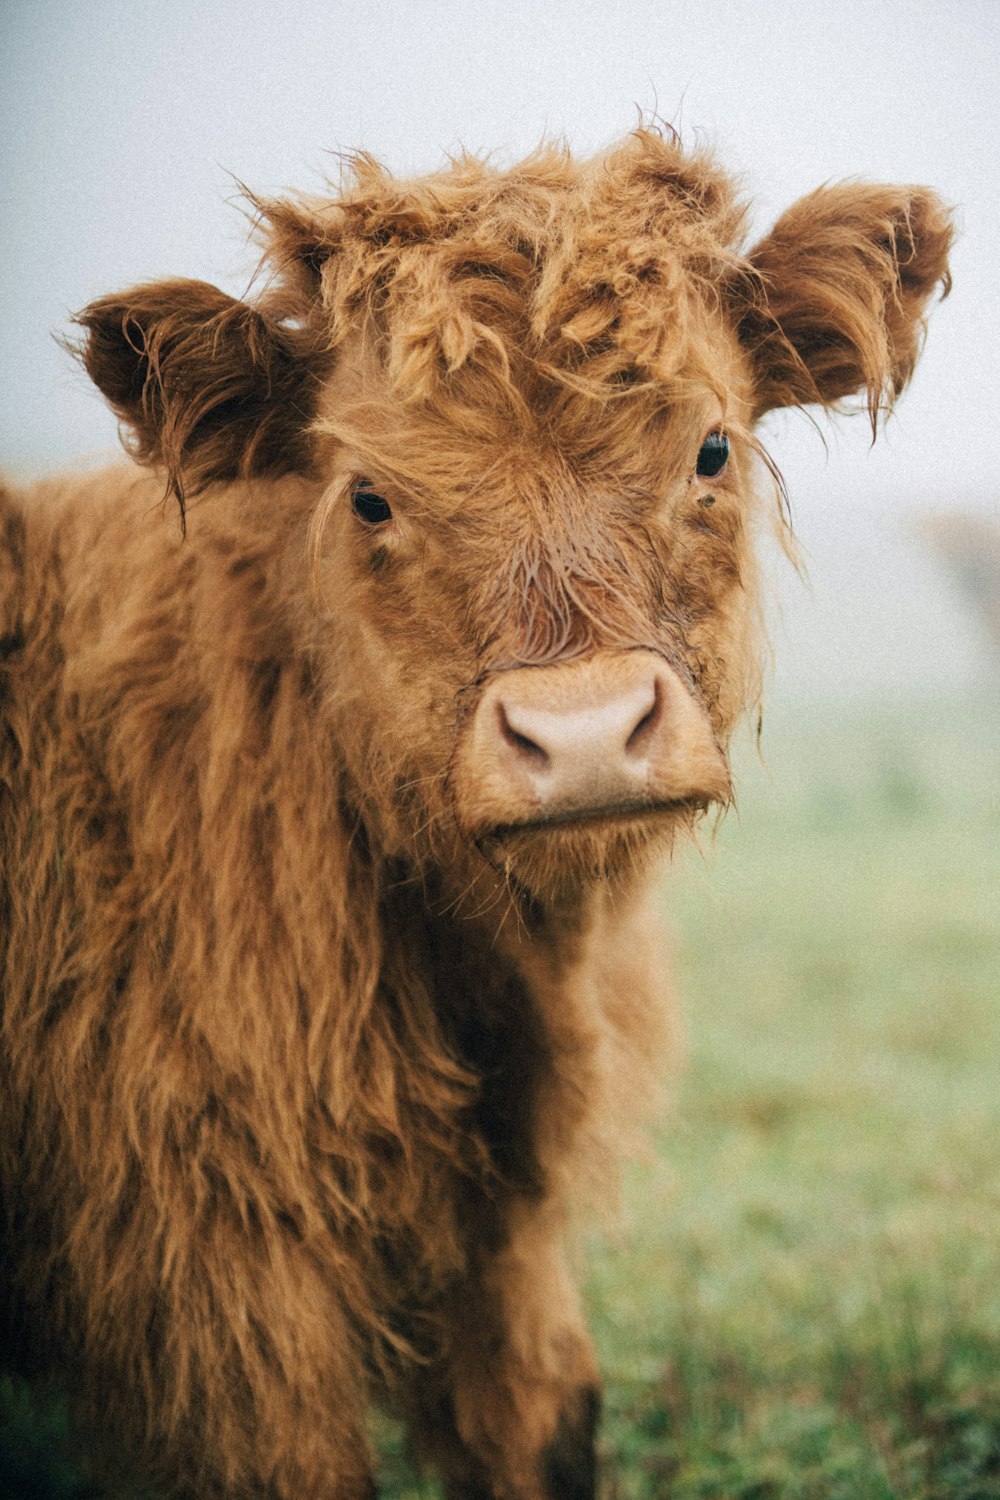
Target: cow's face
[
  {"x": 545, "y": 625},
  {"x": 527, "y": 401}
]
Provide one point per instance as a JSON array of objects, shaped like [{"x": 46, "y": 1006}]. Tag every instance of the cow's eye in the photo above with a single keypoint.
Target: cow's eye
[
  {"x": 713, "y": 455},
  {"x": 369, "y": 505}
]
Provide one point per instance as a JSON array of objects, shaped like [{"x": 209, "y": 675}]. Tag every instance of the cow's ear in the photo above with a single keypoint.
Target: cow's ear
[
  {"x": 207, "y": 386},
  {"x": 834, "y": 298}
]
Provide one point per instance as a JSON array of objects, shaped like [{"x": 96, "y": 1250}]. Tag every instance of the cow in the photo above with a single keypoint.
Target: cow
[{"x": 333, "y": 796}]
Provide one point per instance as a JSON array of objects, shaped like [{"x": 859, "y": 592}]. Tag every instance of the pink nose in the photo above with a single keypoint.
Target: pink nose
[
  {"x": 574, "y": 750},
  {"x": 618, "y": 734}
]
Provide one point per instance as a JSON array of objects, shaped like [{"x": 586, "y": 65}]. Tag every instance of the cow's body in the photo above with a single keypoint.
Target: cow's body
[{"x": 329, "y": 829}]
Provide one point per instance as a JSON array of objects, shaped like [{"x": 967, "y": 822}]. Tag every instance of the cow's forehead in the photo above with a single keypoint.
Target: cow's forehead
[
  {"x": 552, "y": 280},
  {"x": 478, "y": 435}
]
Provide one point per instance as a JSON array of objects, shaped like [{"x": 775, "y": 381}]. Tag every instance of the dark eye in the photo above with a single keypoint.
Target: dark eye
[
  {"x": 369, "y": 505},
  {"x": 713, "y": 455}
]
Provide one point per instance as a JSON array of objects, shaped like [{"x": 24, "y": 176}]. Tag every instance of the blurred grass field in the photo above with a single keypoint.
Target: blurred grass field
[
  {"x": 807, "y": 1298},
  {"x": 803, "y": 1297}
]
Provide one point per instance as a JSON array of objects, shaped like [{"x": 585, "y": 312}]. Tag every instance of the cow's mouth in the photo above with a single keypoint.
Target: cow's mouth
[
  {"x": 560, "y": 852},
  {"x": 606, "y": 818}
]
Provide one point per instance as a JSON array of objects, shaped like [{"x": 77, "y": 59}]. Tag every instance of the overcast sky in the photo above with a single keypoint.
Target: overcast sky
[{"x": 125, "y": 123}]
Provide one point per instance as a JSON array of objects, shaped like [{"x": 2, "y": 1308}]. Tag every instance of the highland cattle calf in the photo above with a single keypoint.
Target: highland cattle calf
[{"x": 330, "y": 814}]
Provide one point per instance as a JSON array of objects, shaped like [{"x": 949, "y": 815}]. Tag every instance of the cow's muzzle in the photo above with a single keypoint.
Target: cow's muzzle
[{"x": 613, "y": 737}]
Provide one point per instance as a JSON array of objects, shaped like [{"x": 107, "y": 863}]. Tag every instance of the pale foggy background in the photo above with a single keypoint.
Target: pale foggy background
[{"x": 124, "y": 125}]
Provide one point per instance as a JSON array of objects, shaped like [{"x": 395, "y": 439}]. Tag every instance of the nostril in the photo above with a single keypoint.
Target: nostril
[
  {"x": 524, "y": 747},
  {"x": 642, "y": 731}
]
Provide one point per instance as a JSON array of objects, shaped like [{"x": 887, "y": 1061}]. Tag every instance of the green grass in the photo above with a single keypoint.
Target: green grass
[{"x": 803, "y": 1298}]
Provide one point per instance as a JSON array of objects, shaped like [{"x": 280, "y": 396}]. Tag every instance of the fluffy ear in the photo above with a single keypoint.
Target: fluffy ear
[
  {"x": 835, "y": 297},
  {"x": 209, "y": 387}
]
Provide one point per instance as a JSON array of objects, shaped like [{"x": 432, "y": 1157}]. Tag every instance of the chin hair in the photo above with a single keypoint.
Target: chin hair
[{"x": 549, "y": 863}]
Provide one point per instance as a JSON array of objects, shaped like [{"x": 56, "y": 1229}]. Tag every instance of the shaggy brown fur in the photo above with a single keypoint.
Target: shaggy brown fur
[{"x": 295, "y": 1085}]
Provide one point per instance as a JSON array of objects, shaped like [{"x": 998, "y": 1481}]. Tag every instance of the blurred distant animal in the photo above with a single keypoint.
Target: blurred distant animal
[
  {"x": 969, "y": 544},
  {"x": 330, "y": 823}
]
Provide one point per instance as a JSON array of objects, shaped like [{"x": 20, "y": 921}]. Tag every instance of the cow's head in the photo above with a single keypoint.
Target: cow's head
[{"x": 526, "y": 400}]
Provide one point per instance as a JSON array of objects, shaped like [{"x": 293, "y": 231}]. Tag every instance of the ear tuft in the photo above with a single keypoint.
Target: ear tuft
[
  {"x": 835, "y": 298},
  {"x": 205, "y": 385}
]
